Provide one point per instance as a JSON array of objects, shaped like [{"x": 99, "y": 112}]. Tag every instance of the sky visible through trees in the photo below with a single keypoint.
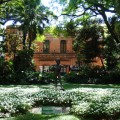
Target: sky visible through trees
[
  {"x": 57, "y": 9},
  {"x": 54, "y": 6}
]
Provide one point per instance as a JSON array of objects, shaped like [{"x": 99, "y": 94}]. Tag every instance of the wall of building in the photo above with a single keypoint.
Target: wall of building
[
  {"x": 13, "y": 41},
  {"x": 48, "y": 59},
  {"x": 44, "y": 60}
]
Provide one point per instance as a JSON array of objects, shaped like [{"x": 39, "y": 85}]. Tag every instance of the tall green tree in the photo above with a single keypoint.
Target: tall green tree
[
  {"x": 111, "y": 55},
  {"x": 88, "y": 44},
  {"x": 4, "y": 1},
  {"x": 32, "y": 15},
  {"x": 117, "y": 6},
  {"x": 86, "y": 9},
  {"x": 33, "y": 20}
]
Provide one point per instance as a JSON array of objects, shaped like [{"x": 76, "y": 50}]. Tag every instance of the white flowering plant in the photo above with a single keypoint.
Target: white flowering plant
[{"x": 95, "y": 102}]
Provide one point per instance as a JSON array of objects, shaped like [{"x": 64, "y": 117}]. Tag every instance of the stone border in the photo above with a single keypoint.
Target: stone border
[{"x": 50, "y": 110}]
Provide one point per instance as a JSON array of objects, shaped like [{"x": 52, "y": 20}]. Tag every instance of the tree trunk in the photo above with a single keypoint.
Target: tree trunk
[
  {"x": 30, "y": 40},
  {"x": 109, "y": 28},
  {"x": 24, "y": 39}
]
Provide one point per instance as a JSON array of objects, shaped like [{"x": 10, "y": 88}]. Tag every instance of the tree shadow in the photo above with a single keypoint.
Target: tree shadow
[{"x": 30, "y": 116}]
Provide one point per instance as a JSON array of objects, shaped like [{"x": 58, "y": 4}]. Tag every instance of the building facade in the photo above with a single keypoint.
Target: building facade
[
  {"x": 47, "y": 51},
  {"x": 14, "y": 41},
  {"x": 51, "y": 49}
]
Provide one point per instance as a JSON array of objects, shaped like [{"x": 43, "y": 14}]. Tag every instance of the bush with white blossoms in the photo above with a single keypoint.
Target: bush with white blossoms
[{"x": 83, "y": 101}]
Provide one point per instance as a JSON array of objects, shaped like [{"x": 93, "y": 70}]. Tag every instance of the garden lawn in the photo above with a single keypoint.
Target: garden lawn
[
  {"x": 96, "y": 101},
  {"x": 65, "y": 85},
  {"x": 29, "y": 116},
  {"x": 71, "y": 86}
]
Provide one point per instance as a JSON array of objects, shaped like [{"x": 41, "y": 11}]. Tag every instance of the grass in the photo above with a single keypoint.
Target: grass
[
  {"x": 30, "y": 116},
  {"x": 71, "y": 86},
  {"x": 66, "y": 86}
]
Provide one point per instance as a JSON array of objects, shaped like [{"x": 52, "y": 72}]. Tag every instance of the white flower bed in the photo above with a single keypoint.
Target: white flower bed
[{"x": 84, "y": 101}]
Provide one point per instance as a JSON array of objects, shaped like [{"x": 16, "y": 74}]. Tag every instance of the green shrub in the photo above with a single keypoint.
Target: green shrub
[
  {"x": 46, "y": 78},
  {"x": 111, "y": 77},
  {"x": 32, "y": 77},
  {"x": 71, "y": 77},
  {"x": 95, "y": 75},
  {"x": 6, "y": 71},
  {"x": 23, "y": 108},
  {"x": 80, "y": 78}
]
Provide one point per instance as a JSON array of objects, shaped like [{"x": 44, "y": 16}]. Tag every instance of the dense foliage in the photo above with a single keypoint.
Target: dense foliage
[
  {"x": 88, "y": 43},
  {"x": 96, "y": 75},
  {"x": 3, "y": 1},
  {"x": 111, "y": 54},
  {"x": 32, "y": 15},
  {"x": 86, "y": 13},
  {"x": 87, "y": 102},
  {"x": 84, "y": 10},
  {"x": 6, "y": 71}
]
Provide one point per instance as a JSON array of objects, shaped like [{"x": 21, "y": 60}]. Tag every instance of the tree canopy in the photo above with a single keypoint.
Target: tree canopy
[
  {"x": 84, "y": 10},
  {"x": 4, "y": 1},
  {"x": 87, "y": 45},
  {"x": 32, "y": 15}
]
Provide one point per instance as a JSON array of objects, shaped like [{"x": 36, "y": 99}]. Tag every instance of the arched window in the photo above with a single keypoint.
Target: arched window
[
  {"x": 63, "y": 46},
  {"x": 46, "y": 46}
]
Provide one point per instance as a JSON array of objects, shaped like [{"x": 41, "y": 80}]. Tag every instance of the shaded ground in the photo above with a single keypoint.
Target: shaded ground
[
  {"x": 70, "y": 86},
  {"x": 66, "y": 86},
  {"x": 29, "y": 116}
]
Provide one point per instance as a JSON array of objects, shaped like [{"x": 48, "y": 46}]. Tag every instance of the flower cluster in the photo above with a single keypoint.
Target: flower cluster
[{"x": 83, "y": 101}]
